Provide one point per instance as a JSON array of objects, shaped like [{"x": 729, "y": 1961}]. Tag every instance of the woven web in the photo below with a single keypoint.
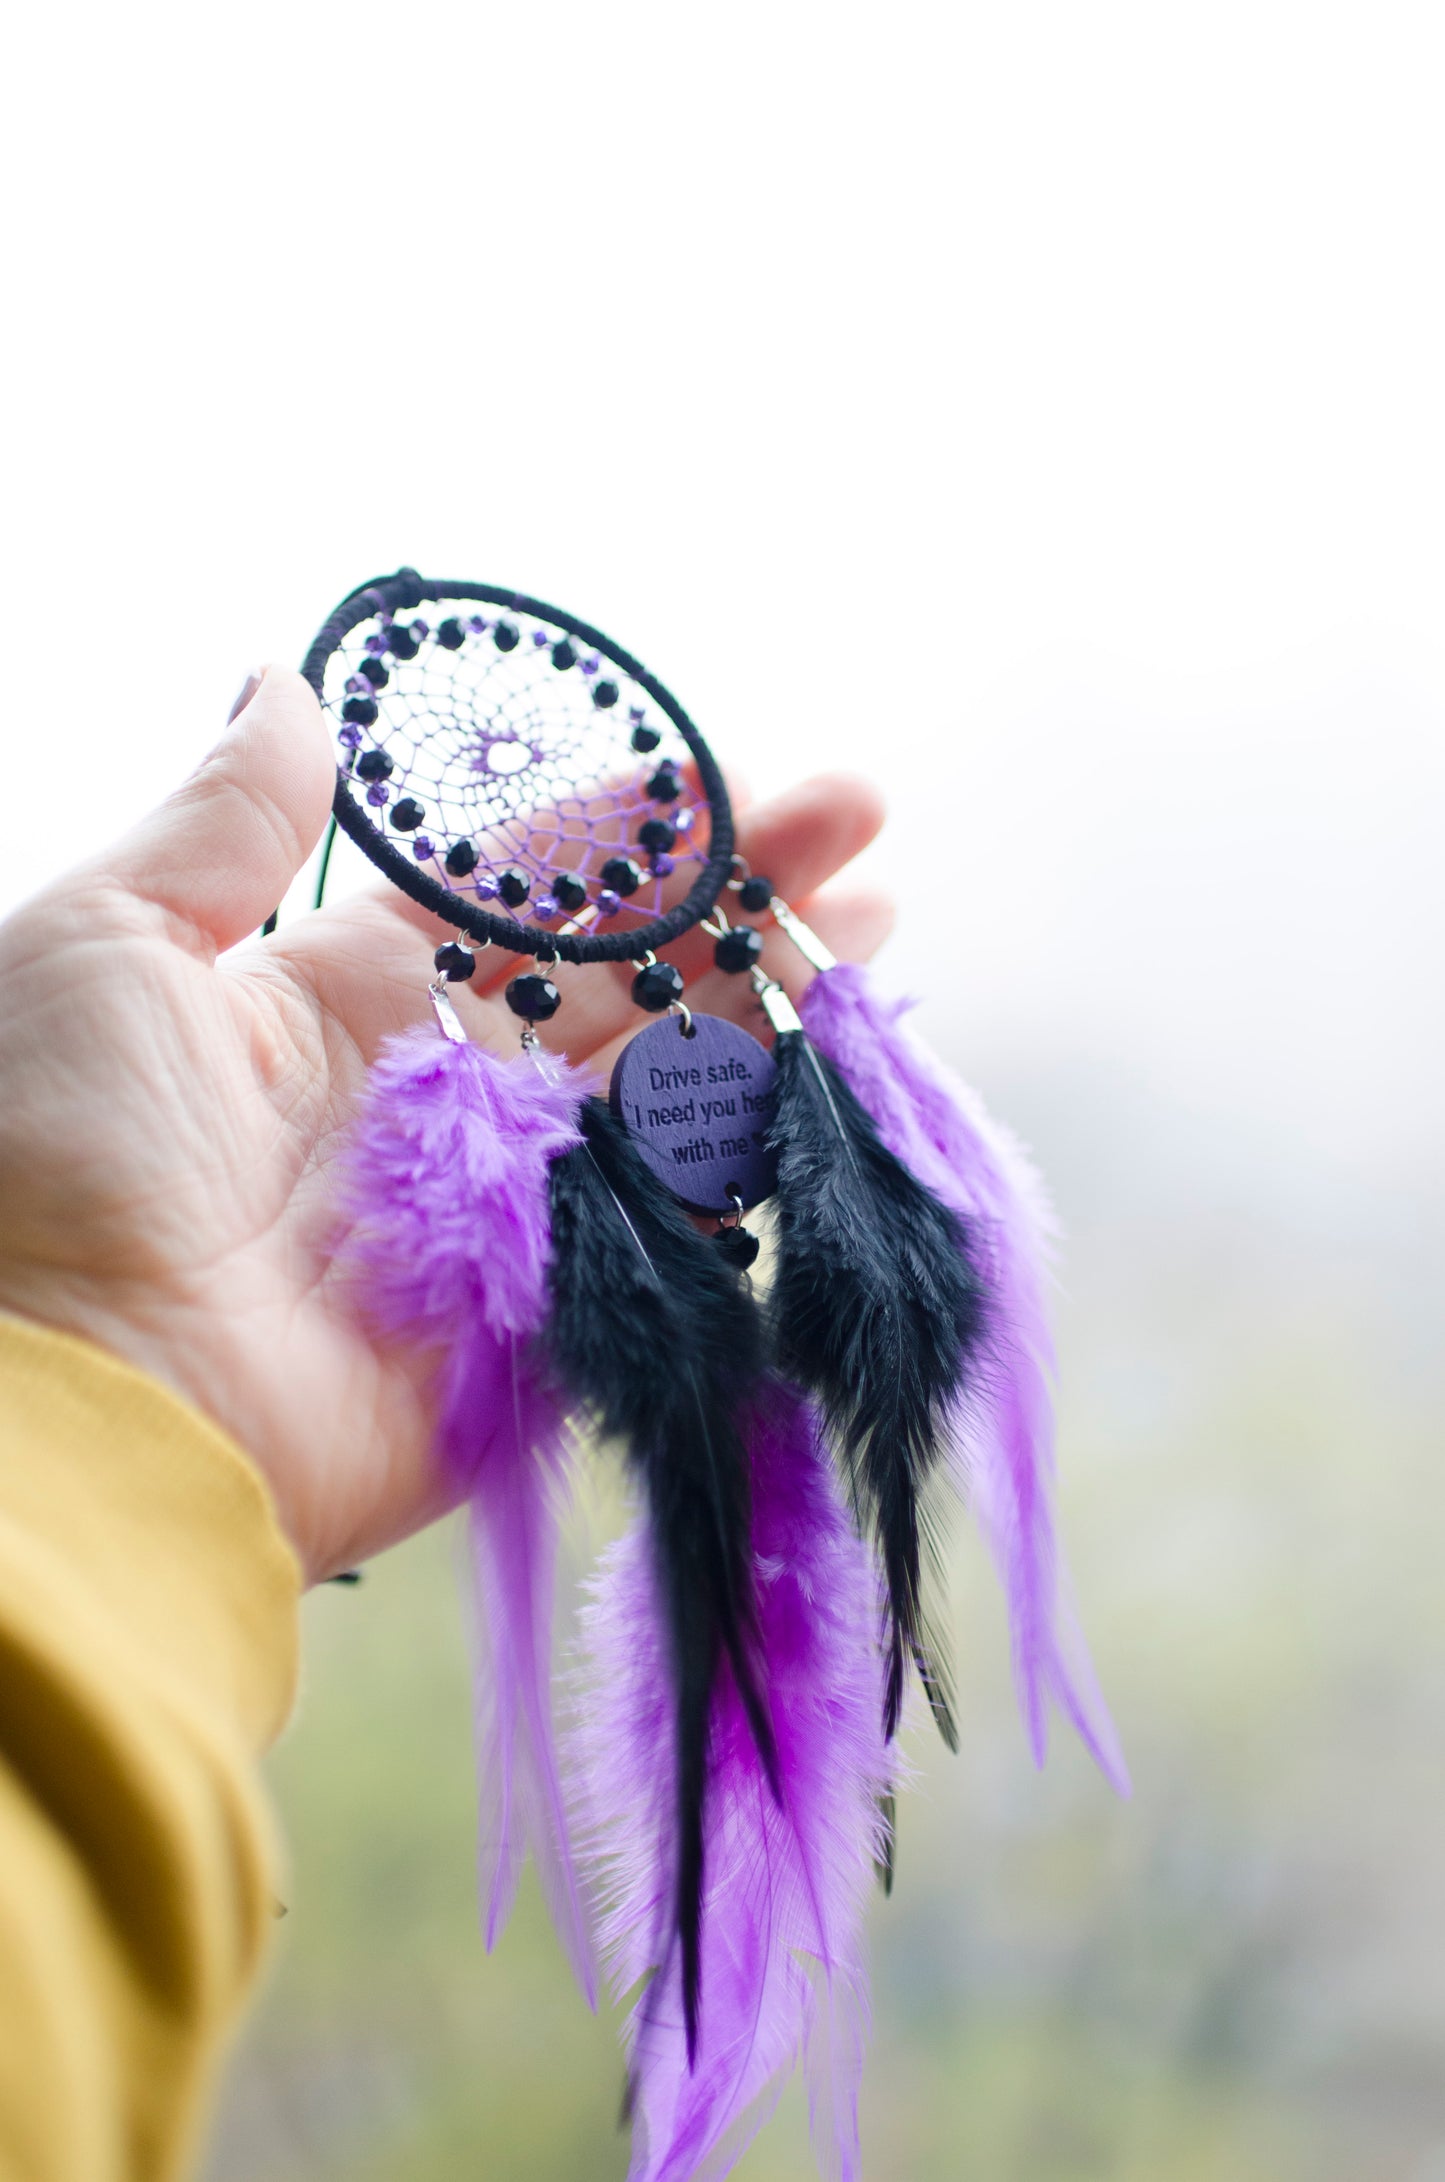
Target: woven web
[{"x": 513, "y": 754}]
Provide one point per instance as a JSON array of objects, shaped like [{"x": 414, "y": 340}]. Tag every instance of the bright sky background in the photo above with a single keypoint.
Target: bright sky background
[{"x": 1038, "y": 407}]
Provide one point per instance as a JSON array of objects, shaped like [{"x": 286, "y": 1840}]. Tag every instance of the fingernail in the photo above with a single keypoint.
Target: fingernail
[{"x": 244, "y": 695}]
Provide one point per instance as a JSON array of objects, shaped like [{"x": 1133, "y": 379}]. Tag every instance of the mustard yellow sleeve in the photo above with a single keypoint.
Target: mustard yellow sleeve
[{"x": 148, "y": 1630}]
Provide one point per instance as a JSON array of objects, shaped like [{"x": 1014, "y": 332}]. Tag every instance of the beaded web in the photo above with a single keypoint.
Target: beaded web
[{"x": 521, "y": 768}]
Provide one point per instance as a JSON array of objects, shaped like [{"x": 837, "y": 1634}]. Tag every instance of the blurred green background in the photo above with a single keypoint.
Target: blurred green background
[{"x": 1237, "y": 1977}]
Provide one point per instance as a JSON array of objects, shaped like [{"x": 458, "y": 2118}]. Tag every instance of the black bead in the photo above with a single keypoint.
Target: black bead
[
  {"x": 514, "y": 887},
  {"x": 738, "y": 949},
  {"x": 458, "y": 962},
  {"x": 656, "y": 836},
  {"x": 407, "y": 815},
  {"x": 756, "y": 893},
  {"x": 536, "y": 999},
  {"x": 450, "y": 634},
  {"x": 645, "y": 739},
  {"x": 360, "y": 711},
  {"x": 374, "y": 671},
  {"x": 657, "y": 986},
  {"x": 739, "y": 1246},
  {"x": 563, "y": 655},
  {"x": 506, "y": 636},
  {"x": 374, "y": 765},
  {"x": 461, "y": 858},
  {"x": 664, "y": 786},
  {"x": 568, "y": 891},
  {"x": 621, "y": 874},
  {"x": 604, "y": 695},
  {"x": 401, "y": 643}
]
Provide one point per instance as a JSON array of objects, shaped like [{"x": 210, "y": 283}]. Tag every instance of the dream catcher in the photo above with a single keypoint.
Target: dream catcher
[{"x": 571, "y": 1253}]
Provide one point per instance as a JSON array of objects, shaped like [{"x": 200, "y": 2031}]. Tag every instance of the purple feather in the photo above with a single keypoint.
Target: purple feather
[
  {"x": 786, "y": 1878},
  {"x": 447, "y": 1238},
  {"x": 939, "y": 1128}
]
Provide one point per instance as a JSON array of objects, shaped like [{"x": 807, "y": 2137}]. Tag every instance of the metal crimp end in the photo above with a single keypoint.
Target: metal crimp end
[
  {"x": 803, "y": 937},
  {"x": 777, "y": 1007},
  {"x": 448, "y": 1021}
]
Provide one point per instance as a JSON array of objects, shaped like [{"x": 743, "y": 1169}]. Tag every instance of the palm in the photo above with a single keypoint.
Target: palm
[{"x": 168, "y": 1124}]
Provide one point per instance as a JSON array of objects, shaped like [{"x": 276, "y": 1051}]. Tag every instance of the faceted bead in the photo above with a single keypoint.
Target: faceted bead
[
  {"x": 563, "y": 656},
  {"x": 684, "y": 820},
  {"x": 664, "y": 786},
  {"x": 421, "y": 631},
  {"x": 738, "y": 949},
  {"x": 539, "y": 638},
  {"x": 360, "y": 711},
  {"x": 374, "y": 765},
  {"x": 377, "y": 793},
  {"x": 636, "y": 712},
  {"x": 450, "y": 634},
  {"x": 662, "y": 866},
  {"x": 738, "y": 1246},
  {"x": 356, "y": 687},
  {"x": 423, "y": 848},
  {"x": 374, "y": 671},
  {"x": 620, "y": 875},
  {"x": 486, "y": 888},
  {"x": 591, "y": 664},
  {"x": 514, "y": 887},
  {"x": 407, "y": 815},
  {"x": 657, "y": 986},
  {"x": 456, "y": 961},
  {"x": 655, "y": 835},
  {"x": 461, "y": 858},
  {"x": 608, "y": 903},
  {"x": 755, "y": 893},
  {"x": 604, "y": 695},
  {"x": 506, "y": 636},
  {"x": 376, "y": 642},
  {"x": 533, "y": 997},
  {"x": 477, "y": 623},
  {"x": 545, "y": 906},
  {"x": 401, "y": 643},
  {"x": 645, "y": 739},
  {"x": 349, "y": 738},
  {"x": 568, "y": 890}
]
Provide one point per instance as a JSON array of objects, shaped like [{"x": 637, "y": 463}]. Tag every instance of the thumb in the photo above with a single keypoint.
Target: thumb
[{"x": 222, "y": 850}]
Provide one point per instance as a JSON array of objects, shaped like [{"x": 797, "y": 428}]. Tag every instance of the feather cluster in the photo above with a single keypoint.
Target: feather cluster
[
  {"x": 1004, "y": 1435},
  {"x": 788, "y": 1860},
  {"x": 446, "y": 1236},
  {"x": 651, "y": 1331},
  {"x": 877, "y": 1311}
]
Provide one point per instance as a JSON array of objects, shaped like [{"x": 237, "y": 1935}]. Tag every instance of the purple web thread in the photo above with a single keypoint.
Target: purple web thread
[{"x": 449, "y": 721}]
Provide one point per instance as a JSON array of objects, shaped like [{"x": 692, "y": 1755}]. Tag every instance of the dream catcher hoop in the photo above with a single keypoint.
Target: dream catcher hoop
[{"x": 714, "y": 1821}]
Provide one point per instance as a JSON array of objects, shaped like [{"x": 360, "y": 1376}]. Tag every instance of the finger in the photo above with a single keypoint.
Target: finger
[{"x": 219, "y": 854}]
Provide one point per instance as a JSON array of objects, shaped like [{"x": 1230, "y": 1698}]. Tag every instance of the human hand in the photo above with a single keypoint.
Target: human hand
[{"x": 168, "y": 1119}]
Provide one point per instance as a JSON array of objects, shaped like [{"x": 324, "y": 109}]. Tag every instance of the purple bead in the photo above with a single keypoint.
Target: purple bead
[
  {"x": 539, "y": 638},
  {"x": 422, "y": 849},
  {"x": 486, "y": 889},
  {"x": 608, "y": 903},
  {"x": 376, "y": 644},
  {"x": 350, "y": 737},
  {"x": 547, "y": 907},
  {"x": 683, "y": 821},
  {"x": 357, "y": 686},
  {"x": 476, "y": 623},
  {"x": 421, "y": 630},
  {"x": 637, "y": 713},
  {"x": 590, "y": 666},
  {"x": 662, "y": 865},
  {"x": 377, "y": 793}
]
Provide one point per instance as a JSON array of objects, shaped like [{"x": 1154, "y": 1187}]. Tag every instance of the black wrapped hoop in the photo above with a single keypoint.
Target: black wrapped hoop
[{"x": 406, "y": 590}]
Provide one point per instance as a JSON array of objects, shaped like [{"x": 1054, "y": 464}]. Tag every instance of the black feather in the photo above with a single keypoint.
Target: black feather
[
  {"x": 653, "y": 1332},
  {"x": 879, "y": 1313}
]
